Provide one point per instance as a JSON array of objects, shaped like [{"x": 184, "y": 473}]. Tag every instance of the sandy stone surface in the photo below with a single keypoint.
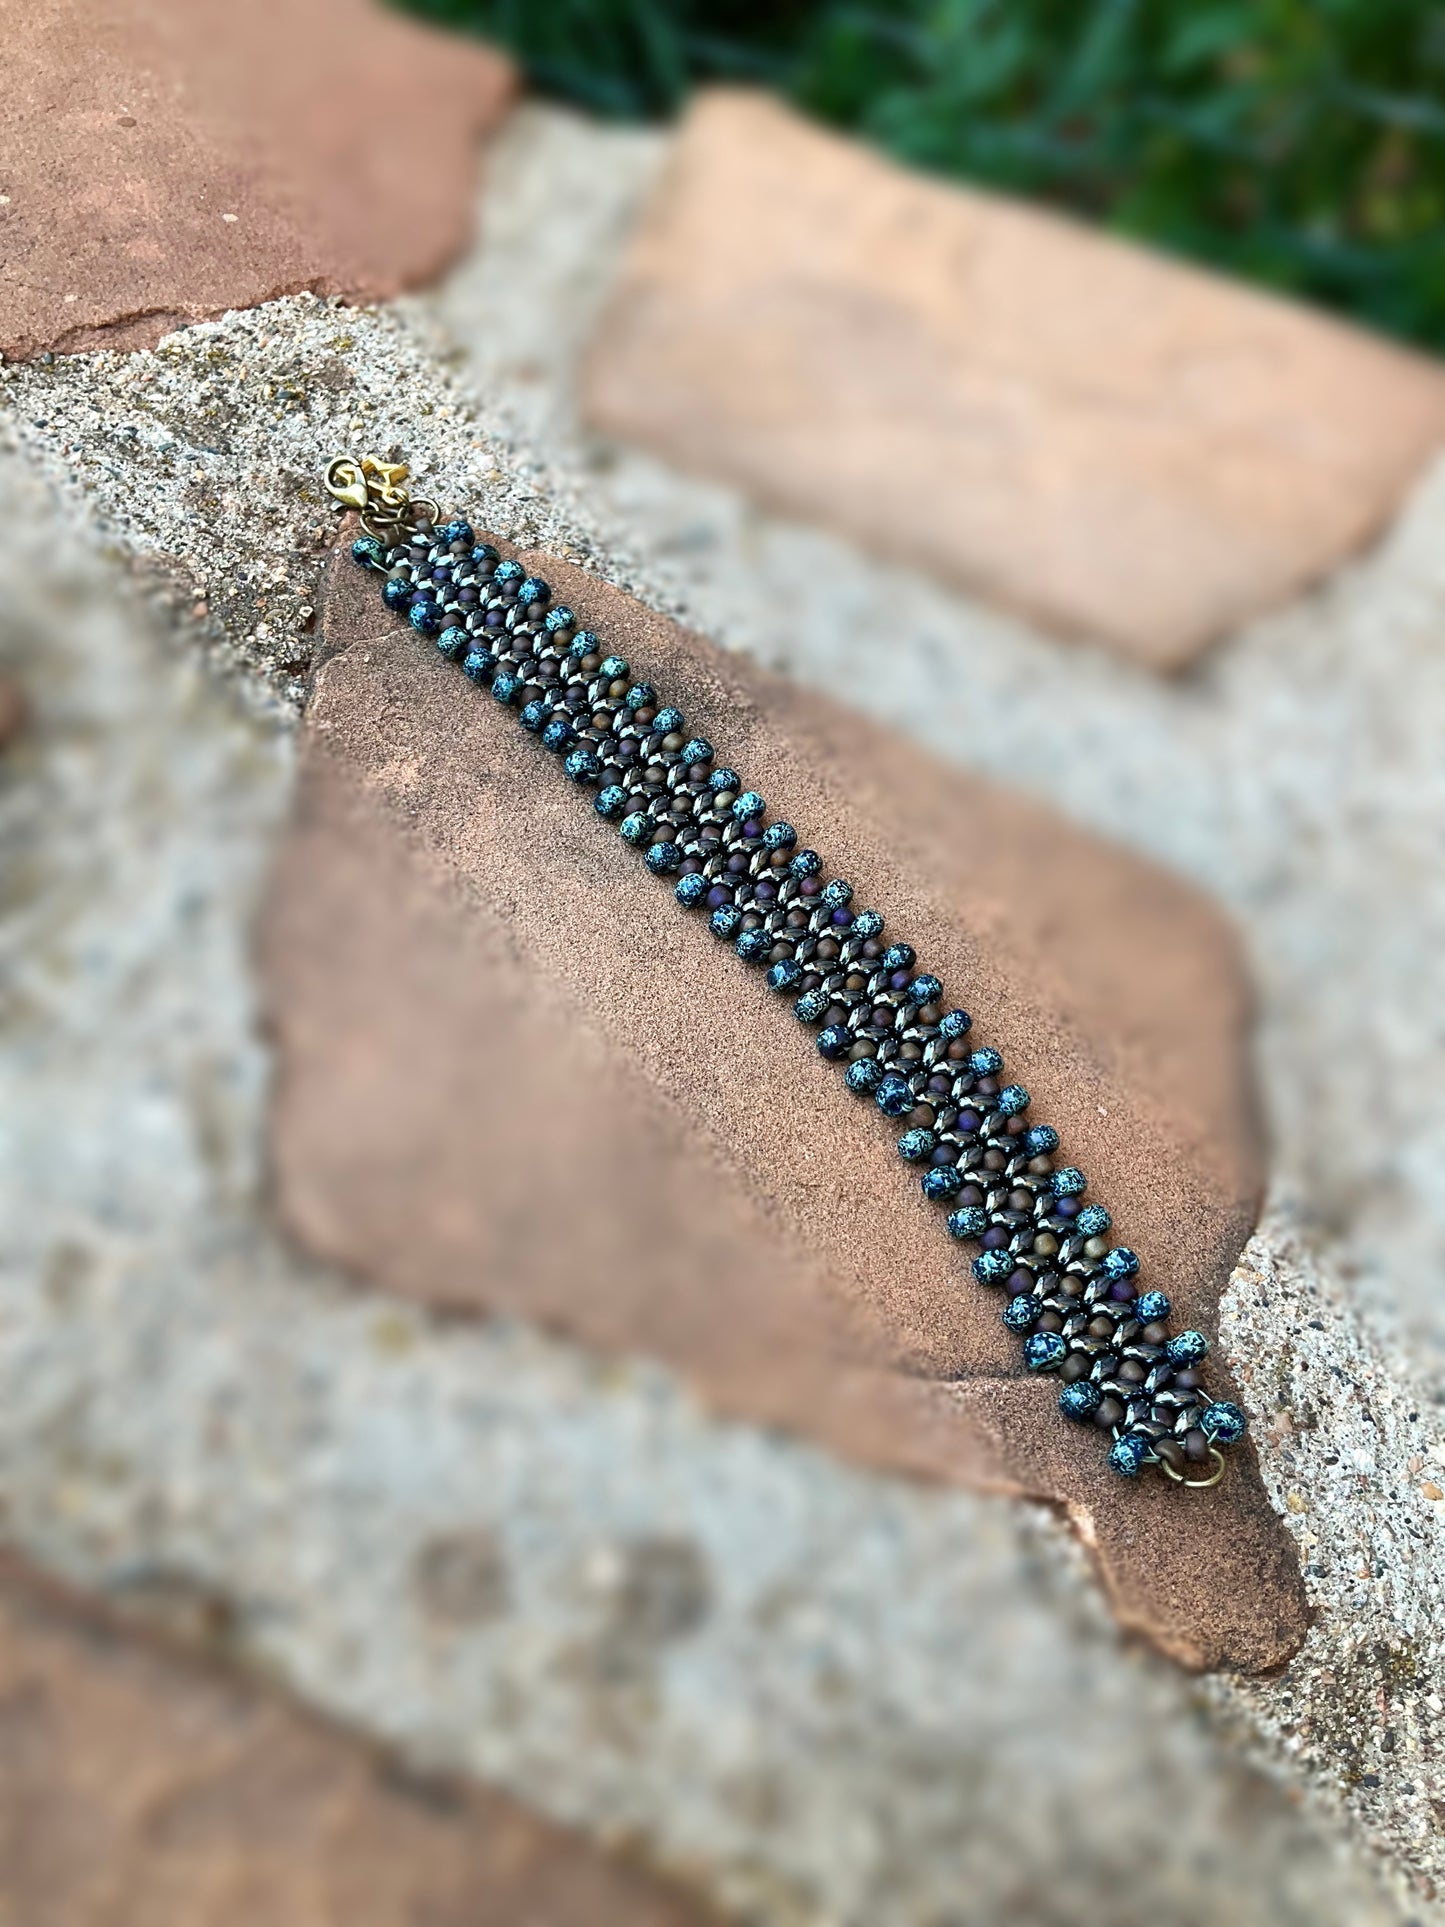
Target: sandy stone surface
[
  {"x": 140, "y": 1788},
  {"x": 876, "y": 1658},
  {"x": 168, "y": 159},
  {"x": 1125, "y": 448},
  {"x": 516, "y": 1006}
]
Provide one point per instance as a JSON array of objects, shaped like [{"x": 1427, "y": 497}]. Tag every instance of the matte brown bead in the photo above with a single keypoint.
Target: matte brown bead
[
  {"x": 1077, "y": 1365},
  {"x": 1196, "y": 1446},
  {"x": 1154, "y": 1334},
  {"x": 1109, "y": 1412}
]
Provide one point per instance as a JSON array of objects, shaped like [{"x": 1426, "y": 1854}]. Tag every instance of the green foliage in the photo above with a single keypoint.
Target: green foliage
[{"x": 1301, "y": 142}]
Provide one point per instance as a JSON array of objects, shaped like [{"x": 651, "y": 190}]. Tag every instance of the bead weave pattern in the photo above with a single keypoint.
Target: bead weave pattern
[{"x": 1071, "y": 1293}]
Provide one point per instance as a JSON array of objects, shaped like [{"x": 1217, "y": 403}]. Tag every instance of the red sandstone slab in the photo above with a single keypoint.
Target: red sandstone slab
[
  {"x": 1128, "y": 449},
  {"x": 513, "y": 1076},
  {"x": 164, "y": 160},
  {"x": 139, "y": 1788}
]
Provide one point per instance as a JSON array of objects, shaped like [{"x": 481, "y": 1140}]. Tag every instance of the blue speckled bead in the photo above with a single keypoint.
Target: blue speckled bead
[
  {"x": 451, "y": 532},
  {"x": 754, "y": 945},
  {"x": 1093, "y": 1221},
  {"x": 725, "y": 779},
  {"x": 613, "y": 669},
  {"x": 806, "y": 863},
  {"x": 812, "y": 1006},
  {"x": 667, "y": 722},
  {"x": 894, "y": 1096},
  {"x": 584, "y": 643},
  {"x": 425, "y": 616},
  {"x": 1012, "y": 1099},
  {"x": 642, "y": 695},
  {"x": 507, "y": 574},
  {"x": 898, "y": 956},
  {"x": 533, "y": 589},
  {"x": 1223, "y": 1422},
  {"x": 477, "y": 664},
  {"x": 558, "y": 733},
  {"x": 993, "y": 1267},
  {"x": 925, "y": 990},
  {"x": 748, "y": 805},
  {"x": 867, "y": 925},
  {"x": 663, "y": 858},
  {"x": 1041, "y": 1140},
  {"x": 453, "y": 642},
  {"x": 559, "y": 618},
  {"x": 779, "y": 836},
  {"x": 1044, "y": 1352},
  {"x": 505, "y": 686},
  {"x": 1080, "y": 1400},
  {"x": 532, "y": 716},
  {"x": 785, "y": 974},
  {"x": 611, "y": 801},
  {"x": 837, "y": 895},
  {"x": 1021, "y": 1314},
  {"x": 698, "y": 750},
  {"x": 1151, "y": 1306},
  {"x": 1120, "y": 1263},
  {"x": 943, "y": 1182},
  {"x": 917, "y": 1144},
  {"x": 956, "y": 1024},
  {"x": 985, "y": 1062},
  {"x": 865, "y": 1076},
  {"x": 691, "y": 890},
  {"x": 833, "y": 1042},
  {"x": 636, "y": 828},
  {"x": 1068, "y": 1182},
  {"x": 969, "y": 1221},
  {"x": 725, "y": 923},
  {"x": 1129, "y": 1455},
  {"x": 582, "y": 765},
  {"x": 1187, "y": 1348},
  {"x": 397, "y": 592},
  {"x": 484, "y": 552},
  {"x": 368, "y": 552}
]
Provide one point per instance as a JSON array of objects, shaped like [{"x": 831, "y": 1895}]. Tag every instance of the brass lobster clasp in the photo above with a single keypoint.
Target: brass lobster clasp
[{"x": 370, "y": 486}]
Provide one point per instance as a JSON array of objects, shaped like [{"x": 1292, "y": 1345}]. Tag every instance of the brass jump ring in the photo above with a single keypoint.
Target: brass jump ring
[{"x": 1198, "y": 1485}]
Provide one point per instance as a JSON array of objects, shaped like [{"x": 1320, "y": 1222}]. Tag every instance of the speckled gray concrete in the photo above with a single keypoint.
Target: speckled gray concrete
[
  {"x": 826, "y": 1696},
  {"x": 837, "y": 1668}
]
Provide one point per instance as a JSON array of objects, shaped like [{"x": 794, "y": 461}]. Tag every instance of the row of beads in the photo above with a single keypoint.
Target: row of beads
[{"x": 1071, "y": 1293}]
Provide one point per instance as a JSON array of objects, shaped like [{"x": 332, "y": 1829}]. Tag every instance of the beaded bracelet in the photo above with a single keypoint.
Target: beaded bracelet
[{"x": 1071, "y": 1294}]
